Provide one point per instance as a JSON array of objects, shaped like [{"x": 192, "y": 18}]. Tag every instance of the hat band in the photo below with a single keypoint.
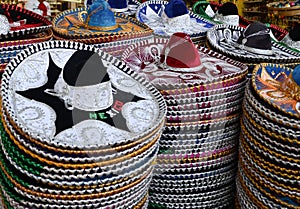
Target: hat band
[
  {"x": 119, "y": 10},
  {"x": 257, "y": 51},
  {"x": 107, "y": 28},
  {"x": 87, "y": 98},
  {"x": 228, "y": 19}
]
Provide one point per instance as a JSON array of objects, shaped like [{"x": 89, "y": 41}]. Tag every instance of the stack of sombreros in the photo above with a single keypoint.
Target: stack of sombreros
[
  {"x": 168, "y": 17},
  {"x": 269, "y": 157},
  {"x": 250, "y": 45},
  {"x": 79, "y": 129},
  {"x": 18, "y": 29},
  {"x": 227, "y": 13},
  {"x": 197, "y": 160},
  {"x": 97, "y": 23}
]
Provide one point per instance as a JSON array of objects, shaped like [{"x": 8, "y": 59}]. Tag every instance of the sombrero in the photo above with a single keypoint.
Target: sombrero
[
  {"x": 182, "y": 72},
  {"x": 226, "y": 13},
  {"x": 91, "y": 171},
  {"x": 95, "y": 25},
  {"x": 251, "y": 45},
  {"x": 17, "y": 22},
  {"x": 269, "y": 142},
  {"x": 166, "y": 18},
  {"x": 279, "y": 87}
]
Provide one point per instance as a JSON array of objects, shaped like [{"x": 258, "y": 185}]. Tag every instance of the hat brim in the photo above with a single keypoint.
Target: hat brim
[
  {"x": 223, "y": 38},
  {"x": 267, "y": 80},
  {"x": 156, "y": 6},
  {"x": 37, "y": 23},
  {"x": 163, "y": 79},
  {"x": 70, "y": 25}
]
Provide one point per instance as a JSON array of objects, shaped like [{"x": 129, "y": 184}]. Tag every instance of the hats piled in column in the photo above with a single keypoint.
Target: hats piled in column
[
  {"x": 79, "y": 129},
  {"x": 197, "y": 158},
  {"x": 97, "y": 23},
  {"x": 168, "y": 17},
  {"x": 18, "y": 29},
  {"x": 269, "y": 157}
]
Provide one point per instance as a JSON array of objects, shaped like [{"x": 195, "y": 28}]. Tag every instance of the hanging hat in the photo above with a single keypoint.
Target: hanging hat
[
  {"x": 18, "y": 22},
  {"x": 226, "y": 13},
  {"x": 278, "y": 86},
  {"x": 166, "y": 18},
  {"x": 251, "y": 45},
  {"x": 97, "y": 24}
]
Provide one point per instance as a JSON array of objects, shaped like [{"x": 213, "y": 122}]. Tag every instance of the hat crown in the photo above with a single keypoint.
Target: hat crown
[
  {"x": 295, "y": 33},
  {"x": 256, "y": 35},
  {"x": 228, "y": 8},
  {"x": 180, "y": 52},
  {"x": 296, "y": 75},
  {"x": 100, "y": 15},
  {"x": 118, "y": 4},
  {"x": 175, "y": 8}
]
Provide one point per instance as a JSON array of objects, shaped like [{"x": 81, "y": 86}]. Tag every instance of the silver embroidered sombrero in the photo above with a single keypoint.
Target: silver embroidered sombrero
[
  {"x": 95, "y": 137},
  {"x": 251, "y": 45},
  {"x": 166, "y": 18}
]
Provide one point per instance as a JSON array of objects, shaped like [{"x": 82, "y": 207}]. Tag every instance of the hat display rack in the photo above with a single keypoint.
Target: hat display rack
[
  {"x": 268, "y": 174},
  {"x": 20, "y": 28},
  {"x": 76, "y": 148},
  {"x": 196, "y": 163}
]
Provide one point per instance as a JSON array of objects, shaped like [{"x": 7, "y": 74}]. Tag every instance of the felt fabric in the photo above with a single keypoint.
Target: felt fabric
[
  {"x": 296, "y": 75},
  {"x": 228, "y": 8},
  {"x": 175, "y": 8},
  {"x": 256, "y": 35},
  {"x": 295, "y": 33},
  {"x": 118, "y": 4},
  {"x": 100, "y": 14},
  {"x": 181, "y": 52}
]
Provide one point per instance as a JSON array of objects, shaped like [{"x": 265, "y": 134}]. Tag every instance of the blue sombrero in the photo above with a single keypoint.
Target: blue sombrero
[{"x": 97, "y": 23}]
